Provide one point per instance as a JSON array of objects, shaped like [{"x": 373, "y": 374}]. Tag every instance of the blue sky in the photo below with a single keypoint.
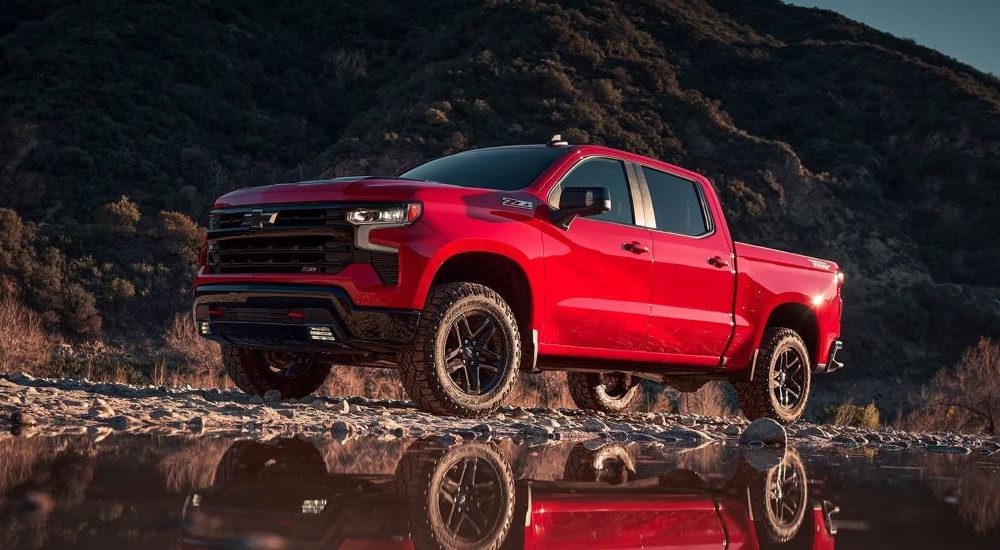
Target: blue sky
[{"x": 968, "y": 30}]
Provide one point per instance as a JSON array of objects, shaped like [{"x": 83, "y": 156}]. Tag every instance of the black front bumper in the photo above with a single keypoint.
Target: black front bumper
[{"x": 295, "y": 318}]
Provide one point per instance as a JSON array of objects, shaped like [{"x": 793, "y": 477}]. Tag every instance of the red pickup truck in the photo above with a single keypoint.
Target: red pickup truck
[
  {"x": 470, "y": 268},
  {"x": 281, "y": 494}
]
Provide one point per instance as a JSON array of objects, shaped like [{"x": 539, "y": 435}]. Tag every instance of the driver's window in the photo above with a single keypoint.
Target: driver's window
[{"x": 606, "y": 173}]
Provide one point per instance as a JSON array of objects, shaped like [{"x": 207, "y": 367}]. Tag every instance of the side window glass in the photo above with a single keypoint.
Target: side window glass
[
  {"x": 606, "y": 173},
  {"x": 676, "y": 203}
]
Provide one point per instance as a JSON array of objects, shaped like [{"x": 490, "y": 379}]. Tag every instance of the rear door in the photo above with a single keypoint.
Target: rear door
[
  {"x": 598, "y": 273},
  {"x": 693, "y": 271}
]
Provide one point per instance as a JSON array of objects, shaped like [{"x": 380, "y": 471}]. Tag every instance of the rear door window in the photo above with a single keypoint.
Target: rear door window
[{"x": 677, "y": 203}]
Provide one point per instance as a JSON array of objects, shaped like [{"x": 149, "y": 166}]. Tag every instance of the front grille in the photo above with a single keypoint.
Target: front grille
[{"x": 303, "y": 239}]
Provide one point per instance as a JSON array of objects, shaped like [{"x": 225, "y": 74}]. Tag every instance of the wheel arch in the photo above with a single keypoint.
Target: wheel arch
[
  {"x": 797, "y": 316},
  {"x": 504, "y": 273}
]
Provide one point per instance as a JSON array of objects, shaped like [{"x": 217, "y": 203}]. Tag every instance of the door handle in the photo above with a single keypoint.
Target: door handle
[
  {"x": 636, "y": 247},
  {"x": 718, "y": 261}
]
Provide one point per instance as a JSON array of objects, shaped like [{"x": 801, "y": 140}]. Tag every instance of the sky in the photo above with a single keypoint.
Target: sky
[{"x": 968, "y": 30}]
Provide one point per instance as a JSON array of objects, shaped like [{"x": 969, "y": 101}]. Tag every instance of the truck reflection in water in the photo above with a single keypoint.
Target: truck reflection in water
[{"x": 281, "y": 495}]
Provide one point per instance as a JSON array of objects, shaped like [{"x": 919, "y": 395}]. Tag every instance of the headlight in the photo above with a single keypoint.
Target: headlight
[{"x": 385, "y": 215}]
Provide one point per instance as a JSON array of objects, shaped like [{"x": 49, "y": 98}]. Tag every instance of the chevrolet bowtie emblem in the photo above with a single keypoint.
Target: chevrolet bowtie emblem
[{"x": 257, "y": 218}]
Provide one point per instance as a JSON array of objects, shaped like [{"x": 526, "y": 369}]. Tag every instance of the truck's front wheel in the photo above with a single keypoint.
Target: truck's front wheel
[
  {"x": 781, "y": 381},
  {"x": 466, "y": 353},
  {"x": 255, "y": 372}
]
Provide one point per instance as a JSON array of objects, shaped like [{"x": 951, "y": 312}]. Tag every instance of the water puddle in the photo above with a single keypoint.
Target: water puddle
[{"x": 143, "y": 491}]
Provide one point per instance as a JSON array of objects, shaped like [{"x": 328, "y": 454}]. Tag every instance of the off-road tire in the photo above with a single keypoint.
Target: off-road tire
[
  {"x": 589, "y": 393},
  {"x": 418, "y": 479},
  {"x": 249, "y": 371},
  {"x": 422, "y": 368},
  {"x": 756, "y": 397},
  {"x": 611, "y": 464},
  {"x": 772, "y": 530}
]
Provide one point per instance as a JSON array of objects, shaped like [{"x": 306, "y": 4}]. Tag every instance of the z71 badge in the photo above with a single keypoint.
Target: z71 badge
[{"x": 517, "y": 203}]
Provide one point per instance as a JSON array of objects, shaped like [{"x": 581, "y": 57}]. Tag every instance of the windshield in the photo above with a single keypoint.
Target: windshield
[{"x": 504, "y": 169}]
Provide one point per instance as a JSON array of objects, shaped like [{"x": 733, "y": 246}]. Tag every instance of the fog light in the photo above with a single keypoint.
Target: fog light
[
  {"x": 321, "y": 333},
  {"x": 204, "y": 328},
  {"x": 313, "y": 506}
]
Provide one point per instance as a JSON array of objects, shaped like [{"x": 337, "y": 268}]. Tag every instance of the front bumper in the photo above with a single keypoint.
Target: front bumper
[{"x": 299, "y": 318}]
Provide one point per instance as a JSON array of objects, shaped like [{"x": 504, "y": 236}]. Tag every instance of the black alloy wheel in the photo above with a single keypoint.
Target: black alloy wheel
[
  {"x": 475, "y": 352},
  {"x": 465, "y": 356},
  {"x": 469, "y": 499},
  {"x": 788, "y": 378}
]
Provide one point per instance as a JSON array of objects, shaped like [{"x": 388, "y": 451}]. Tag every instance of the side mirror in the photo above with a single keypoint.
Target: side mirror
[{"x": 581, "y": 201}]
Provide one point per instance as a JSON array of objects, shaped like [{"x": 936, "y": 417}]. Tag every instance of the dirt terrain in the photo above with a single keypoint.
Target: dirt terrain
[{"x": 47, "y": 406}]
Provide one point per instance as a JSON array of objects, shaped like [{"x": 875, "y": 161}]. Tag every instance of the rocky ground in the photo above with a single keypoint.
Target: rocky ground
[{"x": 46, "y": 406}]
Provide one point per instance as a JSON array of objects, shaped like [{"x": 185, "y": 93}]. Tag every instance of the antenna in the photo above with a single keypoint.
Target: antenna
[{"x": 557, "y": 141}]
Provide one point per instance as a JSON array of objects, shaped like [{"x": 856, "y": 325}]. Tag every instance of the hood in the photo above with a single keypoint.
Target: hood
[{"x": 349, "y": 189}]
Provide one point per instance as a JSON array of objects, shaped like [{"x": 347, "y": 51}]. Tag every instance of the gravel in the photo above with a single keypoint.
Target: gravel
[{"x": 47, "y": 406}]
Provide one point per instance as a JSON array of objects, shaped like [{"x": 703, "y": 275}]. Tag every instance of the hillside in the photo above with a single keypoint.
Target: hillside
[{"x": 823, "y": 136}]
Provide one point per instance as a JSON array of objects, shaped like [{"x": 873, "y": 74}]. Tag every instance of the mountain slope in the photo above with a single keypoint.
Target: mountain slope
[{"x": 822, "y": 135}]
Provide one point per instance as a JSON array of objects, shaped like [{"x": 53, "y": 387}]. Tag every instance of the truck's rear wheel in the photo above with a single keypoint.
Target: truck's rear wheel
[
  {"x": 780, "y": 388},
  {"x": 605, "y": 392},
  {"x": 255, "y": 372},
  {"x": 466, "y": 353}
]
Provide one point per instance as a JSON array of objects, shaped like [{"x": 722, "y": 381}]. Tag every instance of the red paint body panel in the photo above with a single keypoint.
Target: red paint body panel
[
  {"x": 574, "y": 521},
  {"x": 590, "y": 298}
]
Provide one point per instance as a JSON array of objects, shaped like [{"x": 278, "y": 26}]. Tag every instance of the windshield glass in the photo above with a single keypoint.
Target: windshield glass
[{"x": 505, "y": 169}]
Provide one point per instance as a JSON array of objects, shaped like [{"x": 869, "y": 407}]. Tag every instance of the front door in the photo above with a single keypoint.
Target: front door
[
  {"x": 598, "y": 273},
  {"x": 693, "y": 273}
]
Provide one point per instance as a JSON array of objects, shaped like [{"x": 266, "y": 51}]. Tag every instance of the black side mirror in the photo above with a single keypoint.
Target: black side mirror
[{"x": 581, "y": 201}]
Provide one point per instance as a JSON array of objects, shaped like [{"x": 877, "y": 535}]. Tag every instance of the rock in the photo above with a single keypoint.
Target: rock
[
  {"x": 812, "y": 431},
  {"x": 948, "y": 449},
  {"x": 21, "y": 417},
  {"x": 120, "y": 422},
  {"x": 683, "y": 434},
  {"x": 539, "y": 431},
  {"x": 448, "y": 439},
  {"x": 687, "y": 421},
  {"x": 265, "y": 413},
  {"x": 765, "y": 430},
  {"x": 100, "y": 409},
  {"x": 256, "y": 400},
  {"x": 342, "y": 406},
  {"x": 467, "y": 435},
  {"x": 196, "y": 424},
  {"x": 594, "y": 425},
  {"x": 318, "y": 404},
  {"x": 552, "y": 423},
  {"x": 161, "y": 413},
  {"x": 343, "y": 427},
  {"x": 846, "y": 441},
  {"x": 272, "y": 396},
  {"x": 287, "y": 413},
  {"x": 732, "y": 430},
  {"x": 35, "y": 503},
  {"x": 484, "y": 429}
]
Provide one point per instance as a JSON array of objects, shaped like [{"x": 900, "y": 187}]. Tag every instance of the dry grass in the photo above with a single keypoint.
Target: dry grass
[
  {"x": 849, "y": 414},
  {"x": 711, "y": 400},
  {"x": 200, "y": 356},
  {"x": 193, "y": 466},
  {"x": 372, "y": 383},
  {"x": 964, "y": 398},
  {"x": 24, "y": 343},
  {"x": 547, "y": 389}
]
